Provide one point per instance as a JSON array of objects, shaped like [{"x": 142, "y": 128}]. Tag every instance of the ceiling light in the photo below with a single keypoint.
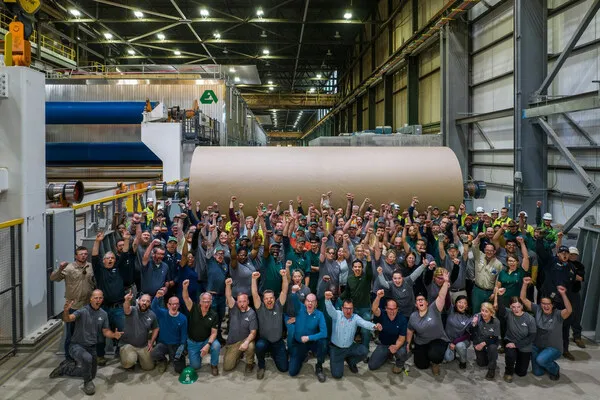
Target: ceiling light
[
  {"x": 138, "y": 14},
  {"x": 177, "y": 52},
  {"x": 217, "y": 35},
  {"x": 271, "y": 88},
  {"x": 347, "y": 15},
  {"x": 204, "y": 12},
  {"x": 236, "y": 79},
  {"x": 263, "y": 34},
  {"x": 312, "y": 90},
  {"x": 131, "y": 52},
  {"x": 266, "y": 52},
  {"x": 78, "y": 38},
  {"x": 232, "y": 70},
  {"x": 161, "y": 36},
  {"x": 225, "y": 50},
  {"x": 270, "y": 82},
  {"x": 337, "y": 35},
  {"x": 74, "y": 12},
  {"x": 108, "y": 35},
  {"x": 319, "y": 76},
  {"x": 329, "y": 53},
  {"x": 260, "y": 13}
]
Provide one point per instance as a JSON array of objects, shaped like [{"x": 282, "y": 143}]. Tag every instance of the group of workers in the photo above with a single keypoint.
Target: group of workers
[{"x": 325, "y": 281}]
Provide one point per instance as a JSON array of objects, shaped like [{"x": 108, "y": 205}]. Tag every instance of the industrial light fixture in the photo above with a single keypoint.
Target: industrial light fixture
[
  {"x": 138, "y": 14},
  {"x": 311, "y": 90},
  {"x": 319, "y": 76},
  {"x": 161, "y": 36},
  {"x": 270, "y": 82},
  {"x": 74, "y": 12},
  {"x": 348, "y": 15},
  {"x": 266, "y": 52},
  {"x": 204, "y": 12},
  {"x": 271, "y": 88},
  {"x": 329, "y": 54},
  {"x": 263, "y": 34},
  {"x": 236, "y": 79},
  {"x": 232, "y": 70},
  {"x": 108, "y": 35},
  {"x": 260, "y": 13},
  {"x": 225, "y": 50},
  {"x": 337, "y": 35},
  {"x": 217, "y": 35},
  {"x": 131, "y": 52},
  {"x": 177, "y": 52}
]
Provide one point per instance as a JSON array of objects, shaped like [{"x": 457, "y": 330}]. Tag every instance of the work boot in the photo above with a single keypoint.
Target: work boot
[
  {"x": 396, "y": 369},
  {"x": 214, "y": 370},
  {"x": 579, "y": 342},
  {"x": 568, "y": 356},
  {"x": 508, "y": 378},
  {"x": 89, "y": 388},
  {"x": 491, "y": 374},
  {"x": 554, "y": 377},
  {"x": 462, "y": 365},
  {"x": 435, "y": 369},
  {"x": 320, "y": 374},
  {"x": 249, "y": 368},
  {"x": 161, "y": 367},
  {"x": 56, "y": 372},
  {"x": 101, "y": 361},
  {"x": 353, "y": 368},
  {"x": 260, "y": 374}
]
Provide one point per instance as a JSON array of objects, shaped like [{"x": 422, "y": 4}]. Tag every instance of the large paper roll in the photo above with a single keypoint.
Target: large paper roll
[{"x": 270, "y": 174}]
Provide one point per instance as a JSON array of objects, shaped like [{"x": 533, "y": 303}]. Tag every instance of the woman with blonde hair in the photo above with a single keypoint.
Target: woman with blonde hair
[{"x": 486, "y": 332}]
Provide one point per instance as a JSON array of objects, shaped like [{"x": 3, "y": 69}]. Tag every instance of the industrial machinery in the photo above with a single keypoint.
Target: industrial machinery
[
  {"x": 65, "y": 193},
  {"x": 16, "y": 46}
]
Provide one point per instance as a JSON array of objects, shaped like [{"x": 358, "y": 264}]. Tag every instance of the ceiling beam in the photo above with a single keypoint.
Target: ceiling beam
[
  {"x": 211, "y": 20},
  {"x": 148, "y": 12}
]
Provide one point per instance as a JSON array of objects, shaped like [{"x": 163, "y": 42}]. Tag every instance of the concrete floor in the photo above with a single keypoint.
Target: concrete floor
[{"x": 579, "y": 380}]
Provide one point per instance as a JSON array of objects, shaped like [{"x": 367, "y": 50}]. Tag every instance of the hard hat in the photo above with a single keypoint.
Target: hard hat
[
  {"x": 188, "y": 375},
  {"x": 480, "y": 210},
  {"x": 547, "y": 217},
  {"x": 149, "y": 200}
]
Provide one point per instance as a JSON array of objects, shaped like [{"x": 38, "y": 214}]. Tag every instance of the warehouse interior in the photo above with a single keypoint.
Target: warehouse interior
[{"x": 104, "y": 104}]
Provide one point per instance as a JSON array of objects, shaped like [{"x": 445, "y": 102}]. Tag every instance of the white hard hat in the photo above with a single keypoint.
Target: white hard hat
[
  {"x": 149, "y": 200},
  {"x": 523, "y": 213},
  {"x": 573, "y": 250},
  {"x": 547, "y": 217},
  {"x": 479, "y": 209}
]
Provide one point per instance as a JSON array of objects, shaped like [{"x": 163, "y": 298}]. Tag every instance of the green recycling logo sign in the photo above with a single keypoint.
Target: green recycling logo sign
[{"x": 208, "y": 97}]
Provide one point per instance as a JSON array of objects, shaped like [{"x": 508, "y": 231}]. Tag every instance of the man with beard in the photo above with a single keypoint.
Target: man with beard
[
  {"x": 139, "y": 322},
  {"x": 155, "y": 271}
]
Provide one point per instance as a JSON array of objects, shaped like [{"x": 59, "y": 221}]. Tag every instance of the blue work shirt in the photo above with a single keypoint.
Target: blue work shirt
[
  {"x": 311, "y": 325},
  {"x": 217, "y": 273},
  {"x": 391, "y": 328},
  {"x": 153, "y": 277},
  {"x": 172, "y": 330},
  {"x": 344, "y": 329}
]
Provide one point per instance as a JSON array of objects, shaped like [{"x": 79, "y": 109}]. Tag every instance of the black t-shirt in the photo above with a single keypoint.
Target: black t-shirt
[
  {"x": 199, "y": 327},
  {"x": 391, "y": 328}
]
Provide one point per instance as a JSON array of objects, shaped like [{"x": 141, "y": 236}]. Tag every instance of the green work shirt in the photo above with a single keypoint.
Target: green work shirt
[
  {"x": 359, "y": 289},
  {"x": 270, "y": 277},
  {"x": 512, "y": 282}
]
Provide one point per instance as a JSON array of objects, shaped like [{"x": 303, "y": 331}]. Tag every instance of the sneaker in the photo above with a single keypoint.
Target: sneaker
[
  {"x": 260, "y": 373},
  {"x": 353, "y": 368},
  {"x": 249, "y": 368},
  {"x": 568, "y": 356},
  {"x": 397, "y": 369},
  {"x": 214, "y": 370},
  {"x": 508, "y": 378},
  {"x": 161, "y": 367},
  {"x": 579, "y": 342},
  {"x": 462, "y": 365},
  {"x": 320, "y": 374},
  {"x": 435, "y": 369},
  {"x": 89, "y": 388},
  {"x": 101, "y": 361},
  {"x": 491, "y": 374},
  {"x": 554, "y": 377},
  {"x": 56, "y": 372}
]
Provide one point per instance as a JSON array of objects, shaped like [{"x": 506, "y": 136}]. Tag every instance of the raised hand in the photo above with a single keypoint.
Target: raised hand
[
  {"x": 185, "y": 284},
  {"x": 562, "y": 290},
  {"x": 328, "y": 295},
  {"x": 161, "y": 292},
  {"x": 63, "y": 265},
  {"x": 228, "y": 281},
  {"x": 99, "y": 236},
  {"x": 255, "y": 275},
  {"x": 295, "y": 288},
  {"x": 283, "y": 273},
  {"x": 379, "y": 270},
  {"x": 538, "y": 204},
  {"x": 527, "y": 280},
  {"x": 380, "y": 293},
  {"x": 156, "y": 242},
  {"x": 288, "y": 264},
  {"x": 129, "y": 296}
]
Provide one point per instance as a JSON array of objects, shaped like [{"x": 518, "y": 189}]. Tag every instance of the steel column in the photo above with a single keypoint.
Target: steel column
[
  {"x": 372, "y": 113},
  {"x": 349, "y": 111},
  {"x": 454, "y": 51},
  {"x": 388, "y": 100},
  {"x": 588, "y": 17},
  {"x": 530, "y": 151},
  {"x": 413, "y": 90},
  {"x": 359, "y": 113}
]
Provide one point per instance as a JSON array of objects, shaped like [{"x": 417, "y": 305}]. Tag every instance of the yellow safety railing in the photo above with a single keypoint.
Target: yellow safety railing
[
  {"x": 46, "y": 41},
  {"x": 12, "y": 222},
  {"x": 108, "y": 198}
]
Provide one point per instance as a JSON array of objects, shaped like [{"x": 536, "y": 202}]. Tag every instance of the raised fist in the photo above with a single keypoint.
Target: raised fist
[
  {"x": 328, "y": 295},
  {"x": 255, "y": 275},
  {"x": 228, "y": 281},
  {"x": 380, "y": 293},
  {"x": 185, "y": 283}
]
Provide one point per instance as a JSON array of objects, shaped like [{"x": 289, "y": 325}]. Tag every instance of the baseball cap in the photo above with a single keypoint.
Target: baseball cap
[
  {"x": 573, "y": 250},
  {"x": 275, "y": 245},
  {"x": 313, "y": 223},
  {"x": 278, "y": 232},
  {"x": 302, "y": 217},
  {"x": 480, "y": 209},
  {"x": 562, "y": 249},
  {"x": 452, "y": 246},
  {"x": 300, "y": 239},
  {"x": 244, "y": 237},
  {"x": 547, "y": 217},
  {"x": 172, "y": 239},
  {"x": 523, "y": 213}
]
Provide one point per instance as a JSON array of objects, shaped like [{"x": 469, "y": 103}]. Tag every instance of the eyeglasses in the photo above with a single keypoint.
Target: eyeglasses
[
  {"x": 330, "y": 252},
  {"x": 174, "y": 304},
  {"x": 546, "y": 304},
  {"x": 391, "y": 309}
]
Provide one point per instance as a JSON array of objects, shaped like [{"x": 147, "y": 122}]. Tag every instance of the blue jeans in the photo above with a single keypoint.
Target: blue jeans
[
  {"x": 459, "y": 352},
  {"x": 218, "y": 304},
  {"x": 299, "y": 350},
  {"x": 337, "y": 355},
  {"x": 195, "y": 348},
  {"x": 116, "y": 320},
  {"x": 544, "y": 360},
  {"x": 291, "y": 329},
  {"x": 365, "y": 313},
  {"x": 278, "y": 353}
]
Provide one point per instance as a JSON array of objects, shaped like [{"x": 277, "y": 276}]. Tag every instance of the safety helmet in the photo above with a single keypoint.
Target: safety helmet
[
  {"x": 547, "y": 217},
  {"x": 188, "y": 375}
]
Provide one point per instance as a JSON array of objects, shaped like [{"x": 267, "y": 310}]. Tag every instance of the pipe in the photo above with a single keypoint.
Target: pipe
[
  {"x": 117, "y": 153},
  {"x": 103, "y": 173},
  {"x": 71, "y": 192},
  {"x": 94, "y": 112}
]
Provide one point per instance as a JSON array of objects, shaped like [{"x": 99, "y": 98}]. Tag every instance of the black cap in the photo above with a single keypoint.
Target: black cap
[
  {"x": 278, "y": 232},
  {"x": 303, "y": 239},
  {"x": 244, "y": 238},
  {"x": 277, "y": 245},
  {"x": 563, "y": 249},
  {"x": 313, "y": 223},
  {"x": 452, "y": 246}
]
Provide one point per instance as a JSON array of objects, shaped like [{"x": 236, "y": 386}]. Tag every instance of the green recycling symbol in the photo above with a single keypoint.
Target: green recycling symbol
[{"x": 209, "y": 97}]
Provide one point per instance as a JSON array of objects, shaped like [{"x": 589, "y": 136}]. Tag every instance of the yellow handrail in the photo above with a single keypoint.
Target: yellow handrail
[
  {"x": 12, "y": 222},
  {"x": 108, "y": 198}
]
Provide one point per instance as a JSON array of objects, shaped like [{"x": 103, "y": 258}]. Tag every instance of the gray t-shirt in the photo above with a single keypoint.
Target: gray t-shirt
[
  {"x": 387, "y": 273},
  {"x": 460, "y": 282},
  {"x": 332, "y": 269},
  {"x": 457, "y": 324},
  {"x": 520, "y": 330},
  {"x": 240, "y": 324},
  {"x": 89, "y": 324},
  {"x": 403, "y": 294},
  {"x": 137, "y": 326},
  {"x": 271, "y": 322},
  {"x": 549, "y": 328},
  {"x": 428, "y": 327},
  {"x": 242, "y": 278}
]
